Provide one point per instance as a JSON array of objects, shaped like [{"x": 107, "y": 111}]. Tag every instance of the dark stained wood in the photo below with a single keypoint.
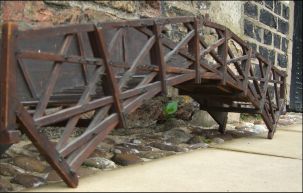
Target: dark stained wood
[
  {"x": 27, "y": 78},
  {"x": 83, "y": 100},
  {"x": 212, "y": 47},
  {"x": 46, "y": 148},
  {"x": 52, "y": 80},
  {"x": 144, "y": 51},
  {"x": 60, "y": 58},
  {"x": 247, "y": 69},
  {"x": 264, "y": 91},
  {"x": 169, "y": 69},
  {"x": 8, "y": 77},
  {"x": 196, "y": 51},
  {"x": 115, "y": 79},
  {"x": 83, "y": 54},
  {"x": 183, "y": 42},
  {"x": 10, "y": 136},
  {"x": 116, "y": 92},
  {"x": 159, "y": 59}
]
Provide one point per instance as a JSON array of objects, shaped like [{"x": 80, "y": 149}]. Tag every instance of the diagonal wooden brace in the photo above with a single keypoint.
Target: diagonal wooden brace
[{"x": 46, "y": 148}]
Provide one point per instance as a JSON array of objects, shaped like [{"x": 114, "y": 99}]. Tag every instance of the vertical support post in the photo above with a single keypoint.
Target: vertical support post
[
  {"x": 277, "y": 93},
  {"x": 246, "y": 71},
  {"x": 283, "y": 93},
  {"x": 282, "y": 87},
  {"x": 194, "y": 48},
  {"x": 102, "y": 52},
  {"x": 223, "y": 51},
  {"x": 267, "y": 77},
  {"x": 159, "y": 58},
  {"x": 8, "y": 84}
]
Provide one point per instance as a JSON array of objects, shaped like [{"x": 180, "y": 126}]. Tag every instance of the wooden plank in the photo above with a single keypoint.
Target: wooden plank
[
  {"x": 246, "y": 71},
  {"x": 46, "y": 148},
  {"x": 79, "y": 157},
  {"x": 125, "y": 50},
  {"x": 116, "y": 92},
  {"x": 277, "y": 93},
  {"x": 264, "y": 91},
  {"x": 110, "y": 121},
  {"x": 212, "y": 53},
  {"x": 144, "y": 51},
  {"x": 167, "y": 43},
  {"x": 169, "y": 69},
  {"x": 256, "y": 84},
  {"x": 196, "y": 51},
  {"x": 182, "y": 43},
  {"x": 241, "y": 58},
  {"x": 115, "y": 39},
  {"x": 82, "y": 54},
  {"x": 86, "y": 95},
  {"x": 27, "y": 78},
  {"x": 59, "y": 58},
  {"x": 160, "y": 59},
  {"x": 95, "y": 104},
  {"x": 10, "y": 136},
  {"x": 72, "y": 122},
  {"x": 8, "y": 79},
  {"x": 212, "y": 47},
  {"x": 52, "y": 79}
]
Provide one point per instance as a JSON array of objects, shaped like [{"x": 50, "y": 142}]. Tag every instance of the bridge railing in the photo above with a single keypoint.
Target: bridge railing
[{"x": 60, "y": 75}]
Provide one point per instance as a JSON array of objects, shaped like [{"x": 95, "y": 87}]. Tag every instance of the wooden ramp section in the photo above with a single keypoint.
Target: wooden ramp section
[{"x": 93, "y": 75}]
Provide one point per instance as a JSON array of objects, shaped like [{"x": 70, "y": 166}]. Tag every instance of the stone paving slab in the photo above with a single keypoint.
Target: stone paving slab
[
  {"x": 202, "y": 170},
  {"x": 285, "y": 144}
]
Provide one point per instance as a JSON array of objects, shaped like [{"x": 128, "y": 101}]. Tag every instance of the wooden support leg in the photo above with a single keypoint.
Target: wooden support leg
[
  {"x": 46, "y": 148},
  {"x": 270, "y": 126},
  {"x": 220, "y": 118}
]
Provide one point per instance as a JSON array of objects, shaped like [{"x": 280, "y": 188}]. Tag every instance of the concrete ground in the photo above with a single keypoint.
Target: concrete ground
[{"x": 247, "y": 164}]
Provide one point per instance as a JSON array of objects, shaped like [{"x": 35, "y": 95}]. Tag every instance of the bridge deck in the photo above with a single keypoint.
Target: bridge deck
[{"x": 109, "y": 69}]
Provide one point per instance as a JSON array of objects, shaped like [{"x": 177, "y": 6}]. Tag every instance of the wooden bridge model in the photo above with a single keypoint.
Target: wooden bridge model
[{"x": 53, "y": 76}]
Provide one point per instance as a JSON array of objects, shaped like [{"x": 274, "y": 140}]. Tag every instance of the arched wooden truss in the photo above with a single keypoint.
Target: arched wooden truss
[{"x": 55, "y": 76}]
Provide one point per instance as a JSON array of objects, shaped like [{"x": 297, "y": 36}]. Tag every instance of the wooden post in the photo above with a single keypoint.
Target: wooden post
[
  {"x": 194, "y": 49},
  {"x": 8, "y": 84},
  {"x": 223, "y": 51},
  {"x": 159, "y": 58},
  {"x": 247, "y": 68},
  {"x": 102, "y": 51}
]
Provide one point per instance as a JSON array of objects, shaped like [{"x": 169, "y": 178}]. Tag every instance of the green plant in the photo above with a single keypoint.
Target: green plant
[
  {"x": 170, "y": 109},
  {"x": 207, "y": 141}
]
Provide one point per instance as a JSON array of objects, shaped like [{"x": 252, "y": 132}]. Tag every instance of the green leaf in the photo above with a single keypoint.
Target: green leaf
[{"x": 171, "y": 108}]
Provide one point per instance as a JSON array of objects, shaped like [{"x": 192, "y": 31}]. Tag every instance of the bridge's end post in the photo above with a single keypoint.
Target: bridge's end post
[
  {"x": 223, "y": 52},
  {"x": 283, "y": 92},
  {"x": 194, "y": 49},
  {"x": 8, "y": 83},
  {"x": 247, "y": 68},
  {"x": 265, "y": 86},
  {"x": 158, "y": 57}
]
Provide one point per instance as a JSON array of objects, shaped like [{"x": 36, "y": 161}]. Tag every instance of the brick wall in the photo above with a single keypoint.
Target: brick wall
[{"x": 266, "y": 27}]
